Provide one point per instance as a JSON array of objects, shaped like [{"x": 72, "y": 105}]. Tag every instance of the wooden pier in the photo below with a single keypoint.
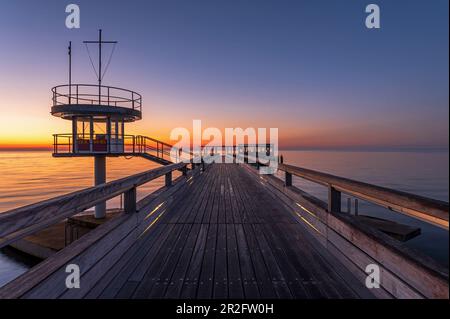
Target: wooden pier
[{"x": 224, "y": 231}]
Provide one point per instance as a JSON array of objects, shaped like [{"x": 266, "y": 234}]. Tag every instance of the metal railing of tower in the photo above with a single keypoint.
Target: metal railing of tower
[{"x": 86, "y": 94}]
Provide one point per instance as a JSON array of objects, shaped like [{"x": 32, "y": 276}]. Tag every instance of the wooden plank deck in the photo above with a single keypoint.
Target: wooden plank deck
[{"x": 224, "y": 236}]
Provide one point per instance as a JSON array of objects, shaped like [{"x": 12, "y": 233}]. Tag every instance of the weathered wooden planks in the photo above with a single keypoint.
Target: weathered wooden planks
[
  {"x": 225, "y": 242},
  {"x": 228, "y": 233},
  {"x": 406, "y": 273}
]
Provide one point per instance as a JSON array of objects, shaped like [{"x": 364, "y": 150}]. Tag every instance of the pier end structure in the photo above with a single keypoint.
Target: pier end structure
[{"x": 98, "y": 114}]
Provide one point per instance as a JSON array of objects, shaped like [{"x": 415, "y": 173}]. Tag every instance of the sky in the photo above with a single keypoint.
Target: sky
[{"x": 309, "y": 68}]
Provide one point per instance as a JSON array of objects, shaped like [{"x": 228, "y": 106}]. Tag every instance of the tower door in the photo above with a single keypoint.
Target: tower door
[
  {"x": 117, "y": 136},
  {"x": 82, "y": 135}
]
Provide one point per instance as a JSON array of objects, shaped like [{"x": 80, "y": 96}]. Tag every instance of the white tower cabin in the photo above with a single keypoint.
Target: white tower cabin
[{"x": 98, "y": 114}]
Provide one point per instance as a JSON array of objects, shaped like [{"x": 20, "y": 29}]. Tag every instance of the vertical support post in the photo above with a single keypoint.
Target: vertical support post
[
  {"x": 100, "y": 178},
  {"x": 356, "y": 207},
  {"x": 334, "y": 200},
  {"x": 129, "y": 205},
  {"x": 256, "y": 154},
  {"x": 169, "y": 179},
  {"x": 122, "y": 136},
  {"x": 288, "y": 179},
  {"x": 91, "y": 134},
  {"x": 349, "y": 205},
  {"x": 145, "y": 145},
  {"x": 70, "y": 72},
  {"x": 245, "y": 154},
  {"x": 108, "y": 134},
  {"x": 74, "y": 134}
]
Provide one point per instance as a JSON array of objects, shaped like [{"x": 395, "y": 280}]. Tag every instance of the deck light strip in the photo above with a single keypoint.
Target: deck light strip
[
  {"x": 311, "y": 225},
  {"x": 306, "y": 210},
  {"x": 154, "y": 210},
  {"x": 152, "y": 223}
]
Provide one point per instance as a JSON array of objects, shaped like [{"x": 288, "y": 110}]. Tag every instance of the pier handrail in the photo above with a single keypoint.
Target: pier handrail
[
  {"x": 407, "y": 272},
  {"x": 432, "y": 211},
  {"x": 429, "y": 210},
  {"x": 21, "y": 222},
  {"x": 77, "y": 94},
  {"x": 160, "y": 147},
  {"x": 137, "y": 145}
]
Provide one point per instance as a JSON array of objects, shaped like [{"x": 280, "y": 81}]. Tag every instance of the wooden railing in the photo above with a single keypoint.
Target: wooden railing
[
  {"x": 24, "y": 221},
  {"x": 405, "y": 272},
  {"x": 99, "y": 249},
  {"x": 429, "y": 210}
]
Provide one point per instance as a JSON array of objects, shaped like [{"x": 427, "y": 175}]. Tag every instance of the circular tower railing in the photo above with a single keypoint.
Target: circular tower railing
[{"x": 90, "y": 94}]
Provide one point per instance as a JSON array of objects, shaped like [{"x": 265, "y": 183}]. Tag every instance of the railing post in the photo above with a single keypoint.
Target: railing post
[
  {"x": 74, "y": 134},
  {"x": 91, "y": 134},
  {"x": 245, "y": 154},
  {"x": 169, "y": 179},
  {"x": 288, "y": 179},
  {"x": 334, "y": 200},
  {"x": 256, "y": 154},
  {"x": 129, "y": 204}
]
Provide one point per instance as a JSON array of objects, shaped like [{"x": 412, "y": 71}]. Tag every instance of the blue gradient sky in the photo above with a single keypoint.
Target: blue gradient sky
[{"x": 310, "y": 68}]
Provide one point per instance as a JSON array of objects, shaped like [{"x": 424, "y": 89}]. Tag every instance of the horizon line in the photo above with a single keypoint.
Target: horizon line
[{"x": 289, "y": 148}]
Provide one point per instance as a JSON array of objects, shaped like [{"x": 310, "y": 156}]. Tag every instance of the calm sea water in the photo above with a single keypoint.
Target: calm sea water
[{"x": 28, "y": 177}]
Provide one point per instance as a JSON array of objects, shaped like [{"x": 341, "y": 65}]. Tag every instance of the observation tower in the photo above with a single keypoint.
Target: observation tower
[{"x": 98, "y": 114}]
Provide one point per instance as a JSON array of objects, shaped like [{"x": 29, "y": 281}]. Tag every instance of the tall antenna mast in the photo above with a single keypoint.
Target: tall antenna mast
[
  {"x": 70, "y": 72},
  {"x": 100, "y": 42}
]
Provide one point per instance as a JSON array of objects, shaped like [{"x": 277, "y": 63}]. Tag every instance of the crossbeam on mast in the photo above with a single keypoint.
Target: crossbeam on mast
[{"x": 100, "y": 42}]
